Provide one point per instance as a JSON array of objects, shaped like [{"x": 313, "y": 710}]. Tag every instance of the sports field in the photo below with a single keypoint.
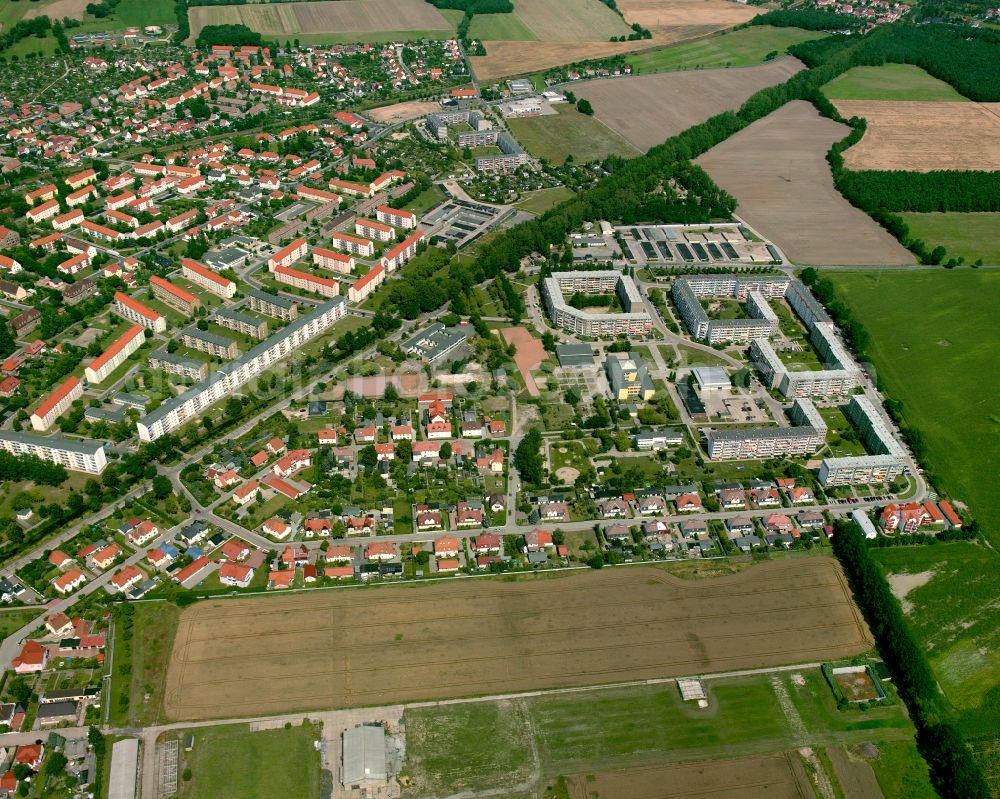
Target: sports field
[
  {"x": 345, "y": 20},
  {"x": 973, "y": 237},
  {"x": 740, "y": 48},
  {"x": 348, "y": 648},
  {"x": 890, "y": 82},
  {"x": 776, "y": 168},
  {"x": 648, "y": 109},
  {"x": 924, "y": 136},
  {"x": 569, "y": 133}
]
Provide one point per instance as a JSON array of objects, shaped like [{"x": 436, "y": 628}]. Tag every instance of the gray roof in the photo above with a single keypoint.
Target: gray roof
[
  {"x": 82, "y": 446},
  {"x": 575, "y": 355},
  {"x": 364, "y": 755},
  {"x": 237, "y": 316},
  {"x": 51, "y": 710},
  {"x": 207, "y": 335},
  {"x": 124, "y": 762},
  {"x": 273, "y": 299},
  {"x": 180, "y": 360}
]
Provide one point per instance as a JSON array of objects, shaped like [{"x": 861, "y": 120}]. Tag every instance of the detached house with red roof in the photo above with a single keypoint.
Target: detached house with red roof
[
  {"x": 127, "y": 578},
  {"x": 237, "y": 575},
  {"x": 33, "y": 658},
  {"x": 70, "y": 581}
]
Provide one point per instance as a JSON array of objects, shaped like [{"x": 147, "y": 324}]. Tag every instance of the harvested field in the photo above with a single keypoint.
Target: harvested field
[
  {"x": 60, "y": 9},
  {"x": 530, "y": 354},
  {"x": 350, "y": 648},
  {"x": 668, "y": 16},
  {"x": 570, "y": 20},
  {"x": 778, "y": 776},
  {"x": 345, "y": 16},
  {"x": 647, "y": 109},
  {"x": 400, "y": 112},
  {"x": 777, "y": 170},
  {"x": 854, "y": 775},
  {"x": 924, "y": 136}
]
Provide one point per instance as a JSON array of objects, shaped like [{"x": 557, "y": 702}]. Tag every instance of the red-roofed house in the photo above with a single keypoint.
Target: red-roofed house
[
  {"x": 235, "y": 574},
  {"x": 276, "y": 580},
  {"x": 70, "y": 581},
  {"x": 235, "y": 549},
  {"x": 379, "y": 550},
  {"x": 33, "y": 658},
  {"x": 30, "y": 755},
  {"x": 127, "y": 577}
]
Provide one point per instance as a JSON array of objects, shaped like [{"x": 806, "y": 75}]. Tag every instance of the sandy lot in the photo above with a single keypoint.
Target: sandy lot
[
  {"x": 344, "y": 16},
  {"x": 350, "y": 648},
  {"x": 777, "y": 170},
  {"x": 920, "y": 137},
  {"x": 779, "y": 776},
  {"x": 530, "y": 354},
  {"x": 647, "y": 109},
  {"x": 400, "y": 112},
  {"x": 902, "y": 584}
]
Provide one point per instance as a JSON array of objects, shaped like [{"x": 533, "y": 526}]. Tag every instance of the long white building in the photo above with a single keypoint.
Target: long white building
[
  {"x": 115, "y": 355},
  {"x": 634, "y": 320},
  {"x": 175, "y": 413},
  {"x": 888, "y": 458},
  {"x": 77, "y": 455}
]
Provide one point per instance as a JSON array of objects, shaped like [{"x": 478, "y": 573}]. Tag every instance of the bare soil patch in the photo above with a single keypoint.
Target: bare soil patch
[
  {"x": 902, "y": 584},
  {"x": 400, "y": 112},
  {"x": 349, "y": 648},
  {"x": 777, "y": 170},
  {"x": 855, "y": 776},
  {"x": 567, "y": 474},
  {"x": 530, "y": 354},
  {"x": 647, "y": 109},
  {"x": 924, "y": 136},
  {"x": 779, "y": 776},
  {"x": 856, "y": 686}
]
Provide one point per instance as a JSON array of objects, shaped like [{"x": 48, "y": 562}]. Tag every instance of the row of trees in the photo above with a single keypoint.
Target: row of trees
[
  {"x": 28, "y": 467},
  {"x": 953, "y": 771}
]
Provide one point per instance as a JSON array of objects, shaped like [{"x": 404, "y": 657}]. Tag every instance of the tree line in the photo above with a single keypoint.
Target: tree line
[{"x": 953, "y": 771}]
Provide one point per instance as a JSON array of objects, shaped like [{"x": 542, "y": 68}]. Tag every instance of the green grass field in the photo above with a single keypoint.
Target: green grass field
[
  {"x": 901, "y": 772},
  {"x": 939, "y": 364},
  {"x": 152, "y": 642},
  {"x": 500, "y": 27},
  {"x": 231, "y": 760},
  {"x": 889, "y": 82},
  {"x": 973, "y": 237},
  {"x": 14, "y": 619},
  {"x": 740, "y": 48},
  {"x": 538, "y": 202},
  {"x": 591, "y": 731},
  {"x": 569, "y": 133}
]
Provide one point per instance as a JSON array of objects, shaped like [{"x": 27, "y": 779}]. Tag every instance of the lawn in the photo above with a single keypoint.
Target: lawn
[
  {"x": 152, "y": 642},
  {"x": 231, "y": 760},
  {"x": 901, "y": 772},
  {"x": 691, "y": 356},
  {"x": 538, "y": 202},
  {"x": 889, "y": 82},
  {"x": 973, "y": 237},
  {"x": 939, "y": 365},
  {"x": 574, "y": 456},
  {"x": 426, "y": 200},
  {"x": 500, "y": 27},
  {"x": 740, "y": 48},
  {"x": 13, "y": 620},
  {"x": 569, "y": 133}
]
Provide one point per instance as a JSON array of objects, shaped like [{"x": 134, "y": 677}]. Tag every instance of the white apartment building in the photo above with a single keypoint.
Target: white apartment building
[
  {"x": 56, "y": 404},
  {"x": 287, "y": 256},
  {"x": 391, "y": 216},
  {"x": 401, "y": 253},
  {"x": 307, "y": 281},
  {"x": 135, "y": 311},
  {"x": 75, "y": 454},
  {"x": 207, "y": 279},
  {"x": 115, "y": 355},
  {"x": 334, "y": 261},
  {"x": 352, "y": 244}
]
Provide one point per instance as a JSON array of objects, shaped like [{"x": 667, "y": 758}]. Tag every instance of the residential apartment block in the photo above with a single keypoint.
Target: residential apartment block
[
  {"x": 179, "y": 299},
  {"x": 374, "y": 230},
  {"x": 391, "y": 216},
  {"x": 74, "y": 454},
  {"x": 287, "y": 256},
  {"x": 633, "y": 321},
  {"x": 273, "y": 305},
  {"x": 241, "y": 323},
  {"x": 174, "y": 364},
  {"x": 352, "y": 244},
  {"x": 174, "y": 413},
  {"x": 115, "y": 355},
  {"x": 397, "y": 256},
  {"x": 762, "y": 442},
  {"x": 135, "y": 311},
  {"x": 207, "y": 279},
  {"x": 365, "y": 285},
  {"x": 204, "y": 341},
  {"x": 56, "y": 404},
  {"x": 307, "y": 281},
  {"x": 334, "y": 261},
  {"x": 888, "y": 458}
]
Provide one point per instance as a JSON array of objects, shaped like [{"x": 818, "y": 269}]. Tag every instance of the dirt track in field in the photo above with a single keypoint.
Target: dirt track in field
[
  {"x": 348, "y": 648},
  {"x": 924, "y": 136},
  {"x": 779, "y": 776},
  {"x": 776, "y": 168},
  {"x": 648, "y": 109}
]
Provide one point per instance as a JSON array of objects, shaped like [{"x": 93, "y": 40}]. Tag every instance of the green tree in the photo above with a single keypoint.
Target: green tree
[{"x": 584, "y": 107}]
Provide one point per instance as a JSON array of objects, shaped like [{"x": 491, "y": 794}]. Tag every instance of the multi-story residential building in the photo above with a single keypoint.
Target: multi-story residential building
[
  {"x": 364, "y": 286},
  {"x": 633, "y": 321},
  {"x": 716, "y": 331},
  {"x": 307, "y": 281},
  {"x": 762, "y": 442},
  {"x": 352, "y": 244},
  {"x": 207, "y": 279},
  {"x": 46, "y": 210},
  {"x": 391, "y": 216},
  {"x": 335, "y": 261},
  {"x": 629, "y": 378},
  {"x": 511, "y": 156},
  {"x": 273, "y": 305},
  {"x": 78, "y": 455},
  {"x": 812, "y": 383},
  {"x": 100, "y": 232},
  {"x": 135, "y": 311},
  {"x": 287, "y": 256},
  {"x": 177, "y": 298},
  {"x": 56, "y": 404},
  {"x": 887, "y": 461},
  {"x": 204, "y": 341},
  {"x": 114, "y": 356},
  {"x": 223, "y": 383},
  {"x": 395, "y": 257},
  {"x": 374, "y": 230},
  {"x": 240, "y": 322},
  {"x": 174, "y": 364},
  {"x": 68, "y": 220}
]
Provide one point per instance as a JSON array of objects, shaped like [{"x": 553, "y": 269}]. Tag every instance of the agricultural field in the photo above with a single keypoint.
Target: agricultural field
[
  {"x": 610, "y": 740},
  {"x": 347, "y": 20},
  {"x": 569, "y": 133},
  {"x": 410, "y": 643},
  {"x": 538, "y": 202},
  {"x": 506, "y": 27},
  {"x": 777, "y": 170},
  {"x": 974, "y": 237},
  {"x": 234, "y": 760},
  {"x": 924, "y": 136},
  {"x": 570, "y": 20},
  {"x": 741, "y": 48},
  {"x": 890, "y": 82},
  {"x": 648, "y": 109},
  {"x": 126, "y": 14},
  {"x": 673, "y": 20}
]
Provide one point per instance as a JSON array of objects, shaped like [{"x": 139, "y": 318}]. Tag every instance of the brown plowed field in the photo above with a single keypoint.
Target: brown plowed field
[
  {"x": 346, "y": 648},
  {"x": 921, "y": 137},
  {"x": 400, "y": 112},
  {"x": 776, "y": 168},
  {"x": 764, "y": 777},
  {"x": 647, "y": 109}
]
